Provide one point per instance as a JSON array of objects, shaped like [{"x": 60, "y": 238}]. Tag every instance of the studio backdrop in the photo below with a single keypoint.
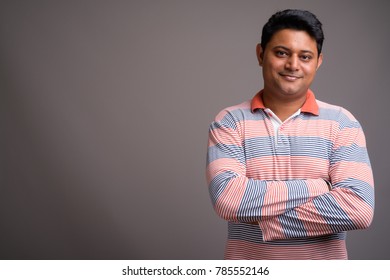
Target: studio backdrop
[{"x": 105, "y": 109}]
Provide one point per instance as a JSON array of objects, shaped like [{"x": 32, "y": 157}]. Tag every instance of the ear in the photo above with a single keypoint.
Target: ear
[
  {"x": 260, "y": 54},
  {"x": 319, "y": 62}
]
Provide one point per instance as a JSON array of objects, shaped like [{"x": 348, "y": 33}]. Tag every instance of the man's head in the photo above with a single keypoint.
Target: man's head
[
  {"x": 293, "y": 19},
  {"x": 290, "y": 54}
]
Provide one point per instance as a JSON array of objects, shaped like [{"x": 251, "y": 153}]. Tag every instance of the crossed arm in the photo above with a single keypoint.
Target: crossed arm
[{"x": 293, "y": 208}]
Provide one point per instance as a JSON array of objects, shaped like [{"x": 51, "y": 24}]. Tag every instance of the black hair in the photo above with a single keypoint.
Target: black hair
[{"x": 293, "y": 19}]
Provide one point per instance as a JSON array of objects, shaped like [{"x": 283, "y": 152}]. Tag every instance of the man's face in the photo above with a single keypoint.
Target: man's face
[{"x": 289, "y": 61}]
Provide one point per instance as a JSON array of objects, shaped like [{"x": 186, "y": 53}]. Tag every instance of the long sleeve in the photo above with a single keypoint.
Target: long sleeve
[
  {"x": 238, "y": 198},
  {"x": 350, "y": 203}
]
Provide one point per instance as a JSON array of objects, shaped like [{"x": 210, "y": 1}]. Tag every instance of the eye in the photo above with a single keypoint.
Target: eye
[
  {"x": 306, "y": 57},
  {"x": 280, "y": 53}
]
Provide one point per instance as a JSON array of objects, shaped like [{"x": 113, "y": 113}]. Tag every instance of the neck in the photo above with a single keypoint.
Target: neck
[{"x": 283, "y": 108}]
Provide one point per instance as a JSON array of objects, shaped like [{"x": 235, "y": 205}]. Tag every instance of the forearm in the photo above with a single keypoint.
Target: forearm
[
  {"x": 238, "y": 198},
  {"x": 348, "y": 206}
]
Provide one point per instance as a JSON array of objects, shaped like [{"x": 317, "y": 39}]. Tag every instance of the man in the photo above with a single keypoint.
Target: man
[{"x": 290, "y": 173}]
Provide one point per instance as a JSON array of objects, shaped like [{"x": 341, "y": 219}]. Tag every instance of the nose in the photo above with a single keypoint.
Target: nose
[{"x": 292, "y": 63}]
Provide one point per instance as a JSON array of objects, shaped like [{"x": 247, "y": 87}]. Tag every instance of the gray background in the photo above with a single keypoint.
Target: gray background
[{"x": 105, "y": 108}]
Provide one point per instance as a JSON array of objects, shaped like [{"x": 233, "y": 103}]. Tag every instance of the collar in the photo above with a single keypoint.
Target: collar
[{"x": 310, "y": 105}]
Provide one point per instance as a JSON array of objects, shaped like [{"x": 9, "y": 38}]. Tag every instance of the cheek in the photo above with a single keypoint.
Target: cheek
[
  {"x": 309, "y": 70},
  {"x": 274, "y": 70}
]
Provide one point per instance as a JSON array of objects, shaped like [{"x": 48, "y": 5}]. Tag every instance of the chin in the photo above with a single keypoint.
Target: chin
[
  {"x": 293, "y": 93},
  {"x": 290, "y": 92}
]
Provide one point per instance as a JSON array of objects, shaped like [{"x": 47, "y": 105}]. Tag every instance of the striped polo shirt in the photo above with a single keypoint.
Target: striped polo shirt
[{"x": 289, "y": 192}]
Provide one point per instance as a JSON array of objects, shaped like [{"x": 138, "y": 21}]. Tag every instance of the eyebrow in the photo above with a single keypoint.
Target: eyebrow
[{"x": 287, "y": 49}]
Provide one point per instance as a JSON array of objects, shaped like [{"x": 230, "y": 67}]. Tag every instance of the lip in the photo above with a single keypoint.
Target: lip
[{"x": 289, "y": 77}]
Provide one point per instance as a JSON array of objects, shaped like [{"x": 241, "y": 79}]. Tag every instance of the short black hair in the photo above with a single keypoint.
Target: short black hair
[{"x": 293, "y": 19}]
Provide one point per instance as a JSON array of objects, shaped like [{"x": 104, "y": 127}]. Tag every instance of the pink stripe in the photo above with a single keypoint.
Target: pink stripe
[
  {"x": 313, "y": 222},
  {"x": 224, "y": 135},
  {"x": 255, "y": 129},
  {"x": 273, "y": 200},
  {"x": 229, "y": 201},
  {"x": 221, "y": 165},
  {"x": 272, "y": 229},
  {"x": 245, "y": 105},
  {"x": 358, "y": 211},
  {"x": 345, "y": 170},
  {"x": 344, "y": 138},
  {"x": 317, "y": 128},
  {"x": 287, "y": 168}
]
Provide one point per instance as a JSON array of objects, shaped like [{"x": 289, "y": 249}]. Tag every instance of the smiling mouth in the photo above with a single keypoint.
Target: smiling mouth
[{"x": 289, "y": 77}]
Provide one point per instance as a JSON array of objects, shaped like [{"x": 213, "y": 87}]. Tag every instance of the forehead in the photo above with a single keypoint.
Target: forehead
[{"x": 297, "y": 40}]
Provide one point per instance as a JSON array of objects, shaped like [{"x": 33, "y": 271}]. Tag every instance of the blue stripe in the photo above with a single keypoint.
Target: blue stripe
[
  {"x": 333, "y": 214},
  {"x": 225, "y": 151},
  {"x": 346, "y": 123},
  {"x": 298, "y": 193},
  {"x": 233, "y": 117},
  {"x": 258, "y": 147},
  {"x": 335, "y": 114},
  {"x": 352, "y": 153},
  {"x": 362, "y": 189},
  {"x": 226, "y": 122},
  {"x": 240, "y": 115},
  {"x": 252, "y": 201},
  {"x": 218, "y": 185},
  {"x": 315, "y": 147},
  {"x": 291, "y": 224}
]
